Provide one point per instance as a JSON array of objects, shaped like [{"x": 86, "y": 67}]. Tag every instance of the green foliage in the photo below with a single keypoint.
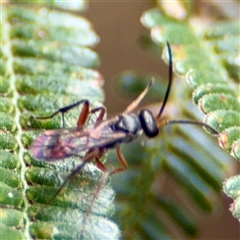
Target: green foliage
[
  {"x": 208, "y": 61},
  {"x": 47, "y": 64},
  {"x": 183, "y": 155}
]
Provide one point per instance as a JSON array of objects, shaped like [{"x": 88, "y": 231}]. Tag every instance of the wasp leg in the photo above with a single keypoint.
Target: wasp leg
[
  {"x": 88, "y": 157},
  {"x": 64, "y": 110},
  {"x": 83, "y": 114},
  {"x": 95, "y": 194},
  {"x": 100, "y": 165},
  {"x": 105, "y": 175},
  {"x": 122, "y": 160},
  {"x": 99, "y": 119}
]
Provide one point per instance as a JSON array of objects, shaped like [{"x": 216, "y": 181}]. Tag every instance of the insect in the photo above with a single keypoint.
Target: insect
[{"x": 97, "y": 138}]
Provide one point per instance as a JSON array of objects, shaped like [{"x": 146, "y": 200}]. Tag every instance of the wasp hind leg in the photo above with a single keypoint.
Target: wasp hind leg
[
  {"x": 102, "y": 181},
  {"x": 88, "y": 157}
]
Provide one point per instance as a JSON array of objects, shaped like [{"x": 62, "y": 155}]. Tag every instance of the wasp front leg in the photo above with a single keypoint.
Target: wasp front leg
[
  {"x": 82, "y": 117},
  {"x": 101, "y": 115},
  {"x": 84, "y": 114}
]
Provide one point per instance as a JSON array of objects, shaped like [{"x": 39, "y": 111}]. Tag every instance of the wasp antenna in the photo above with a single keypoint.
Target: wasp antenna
[
  {"x": 169, "y": 81},
  {"x": 190, "y": 122},
  {"x": 135, "y": 103}
]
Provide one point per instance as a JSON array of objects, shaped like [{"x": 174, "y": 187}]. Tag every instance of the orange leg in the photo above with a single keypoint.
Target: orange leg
[
  {"x": 82, "y": 116},
  {"x": 85, "y": 113},
  {"x": 102, "y": 111},
  {"x": 95, "y": 195},
  {"x": 100, "y": 165},
  {"x": 122, "y": 160},
  {"x": 88, "y": 157}
]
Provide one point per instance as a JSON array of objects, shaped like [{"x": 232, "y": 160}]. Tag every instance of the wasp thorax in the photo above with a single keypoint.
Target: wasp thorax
[
  {"x": 128, "y": 123},
  {"x": 148, "y": 123}
]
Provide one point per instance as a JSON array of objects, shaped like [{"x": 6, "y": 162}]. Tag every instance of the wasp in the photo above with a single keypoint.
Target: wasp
[
  {"x": 102, "y": 135},
  {"x": 97, "y": 138}
]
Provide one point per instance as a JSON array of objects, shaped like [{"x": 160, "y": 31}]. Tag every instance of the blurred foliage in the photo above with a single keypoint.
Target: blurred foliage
[{"x": 183, "y": 164}]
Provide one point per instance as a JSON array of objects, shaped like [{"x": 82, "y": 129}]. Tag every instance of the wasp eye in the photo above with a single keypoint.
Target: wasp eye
[{"x": 148, "y": 123}]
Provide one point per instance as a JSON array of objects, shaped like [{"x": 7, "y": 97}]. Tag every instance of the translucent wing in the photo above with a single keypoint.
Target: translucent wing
[{"x": 62, "y": 143}]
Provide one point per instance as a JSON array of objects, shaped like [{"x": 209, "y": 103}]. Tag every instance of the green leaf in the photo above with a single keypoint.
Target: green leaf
[
  {"x": 206, "y": 61},
  {"x": 47, "y": 66},
  {"x": 231, "y": 188},
  {"x": 48, "y": 63},
  {"x": 179, "y": 173}
]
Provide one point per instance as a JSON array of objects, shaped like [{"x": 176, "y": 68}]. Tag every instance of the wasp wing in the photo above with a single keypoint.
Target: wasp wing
[{"x": 62, "y": 143}]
